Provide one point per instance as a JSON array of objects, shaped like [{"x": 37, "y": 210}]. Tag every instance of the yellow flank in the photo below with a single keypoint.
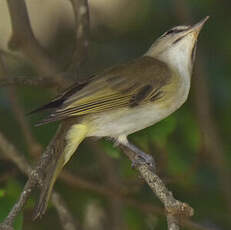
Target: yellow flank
[
  {"x": 74, "y": 137},
  {"x": 174, "y": 91}
]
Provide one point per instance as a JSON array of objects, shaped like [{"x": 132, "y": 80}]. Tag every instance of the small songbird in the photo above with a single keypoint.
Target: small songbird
[{"x": 122, "y": 99}]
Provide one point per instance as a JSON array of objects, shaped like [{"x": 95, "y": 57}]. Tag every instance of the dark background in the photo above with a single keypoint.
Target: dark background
[{"x": 191, "y": 147}]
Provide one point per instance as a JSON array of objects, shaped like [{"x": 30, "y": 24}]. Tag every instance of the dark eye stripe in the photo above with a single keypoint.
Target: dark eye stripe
[
  {"x": 178, "y": 39},
  {"x": 174, "y": 31}
]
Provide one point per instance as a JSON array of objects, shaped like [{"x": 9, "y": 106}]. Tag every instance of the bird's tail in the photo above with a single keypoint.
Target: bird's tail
[{"x": 73, "y": 138}]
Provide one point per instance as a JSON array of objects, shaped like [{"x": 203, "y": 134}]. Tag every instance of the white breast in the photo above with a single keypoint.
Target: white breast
[
  {"x": 122, "y": 122},
  {"x": 129, "y": 120}
]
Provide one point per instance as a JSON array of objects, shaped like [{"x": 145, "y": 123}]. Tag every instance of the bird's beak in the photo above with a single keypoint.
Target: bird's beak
[{"x": 198, "y": 26}]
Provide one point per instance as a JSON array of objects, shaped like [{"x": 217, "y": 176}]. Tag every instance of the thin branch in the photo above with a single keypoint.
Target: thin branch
[
  {"x": 173, "y": 207},
  {"x": 65, "y": 216},
  {"x": 113, "y": 180},
  {"x": 18, "y": 206},
  {"x": 33, "y": 147},
  {"x": 80, "y": 183},
  {"x": 24, "y": 40},
  {"x": 173, "y": 222},
  {"x": 94, "y": 216},
  {"x": 12, "y": 154},
  {"x": 10, "y": 55},
  {"x": 81, "y": 12},
  {"x": 44, "y": 82}
]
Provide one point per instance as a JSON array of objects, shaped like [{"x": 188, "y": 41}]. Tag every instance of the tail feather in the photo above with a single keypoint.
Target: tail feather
[
  {"x": 73, "y": 137},
  {"x": 52, "y": 105},
  {"x": 46, "y": 189},
  {"x": 58, "y": 101}
]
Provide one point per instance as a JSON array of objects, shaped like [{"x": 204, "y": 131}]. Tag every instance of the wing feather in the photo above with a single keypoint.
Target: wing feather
[{"x": 139, "y": 81}]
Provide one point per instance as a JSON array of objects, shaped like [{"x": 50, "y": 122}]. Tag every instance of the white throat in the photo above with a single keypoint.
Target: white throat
[{"x": 177, "y": 56}]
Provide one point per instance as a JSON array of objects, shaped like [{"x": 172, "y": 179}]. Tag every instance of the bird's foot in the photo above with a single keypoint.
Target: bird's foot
[{"x": 142, "y": 158}]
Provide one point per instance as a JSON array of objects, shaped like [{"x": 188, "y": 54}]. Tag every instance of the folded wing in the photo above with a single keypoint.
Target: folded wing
[{"x": 128, "y": 85}]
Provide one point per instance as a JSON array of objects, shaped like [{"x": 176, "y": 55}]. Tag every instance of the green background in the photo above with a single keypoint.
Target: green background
[{"x": 191, "y": 147}]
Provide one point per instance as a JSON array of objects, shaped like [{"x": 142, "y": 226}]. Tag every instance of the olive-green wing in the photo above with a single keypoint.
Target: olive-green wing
[{"x": 131, "y": 84}]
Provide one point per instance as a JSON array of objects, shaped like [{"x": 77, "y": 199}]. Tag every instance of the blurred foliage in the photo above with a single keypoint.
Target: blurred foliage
[
  {"x": 176, "y": 142},
  {"x": 8, "y": 196}
]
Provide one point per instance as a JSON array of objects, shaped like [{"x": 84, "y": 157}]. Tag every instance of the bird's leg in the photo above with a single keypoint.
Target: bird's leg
[
  {"x": 137, "y": 156},
  {"x": 141, "y": 157}
]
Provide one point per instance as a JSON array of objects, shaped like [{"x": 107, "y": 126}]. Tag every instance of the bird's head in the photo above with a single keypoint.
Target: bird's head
[{"x": 177, "y": 44}]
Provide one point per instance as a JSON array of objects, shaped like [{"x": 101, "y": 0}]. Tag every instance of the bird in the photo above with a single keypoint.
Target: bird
[{"x": 122, "y": 99}]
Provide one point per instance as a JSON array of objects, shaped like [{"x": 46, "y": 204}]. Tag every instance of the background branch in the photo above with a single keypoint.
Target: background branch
[
  {"x": 45, "y": 82},
  {"x": 11, "y": 153},
  {"x": 23, "y": 39},
  {"x": 65, "y": 215},
  {"x": 33, "y": 147},
  {"x": 113, "y": 180},
  {"x": 77, "y": 183},
  {"x": 173, "y": 207},
  {"x": 81, "y": 13}
]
